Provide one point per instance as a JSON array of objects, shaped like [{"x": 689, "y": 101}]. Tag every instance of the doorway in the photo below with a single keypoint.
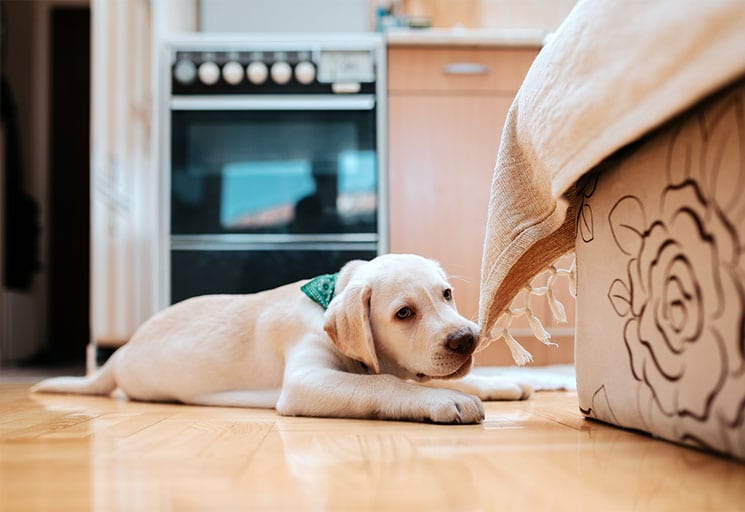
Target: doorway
[{"x": 69, "y": 184}]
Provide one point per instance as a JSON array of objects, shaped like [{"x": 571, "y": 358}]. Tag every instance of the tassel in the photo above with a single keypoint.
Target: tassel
[
  {"x": 538, "y": 330},
  {"x": 557, "y": 308},
  {"x": 519, "y": 354}
]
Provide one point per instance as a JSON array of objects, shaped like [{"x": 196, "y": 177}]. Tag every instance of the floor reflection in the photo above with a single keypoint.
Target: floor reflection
[{"x": 103, "y": 454}]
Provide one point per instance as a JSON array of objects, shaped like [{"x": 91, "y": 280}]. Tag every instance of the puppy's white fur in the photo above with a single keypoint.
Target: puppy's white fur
[{"x": 279, "y": 349}]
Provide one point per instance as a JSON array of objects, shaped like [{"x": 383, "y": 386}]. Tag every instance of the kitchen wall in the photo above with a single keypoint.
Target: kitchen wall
[
  {"x": 284, "y": 15},
  {"x": 496, "y": 14},
  {"x": 357, "y": 15}
]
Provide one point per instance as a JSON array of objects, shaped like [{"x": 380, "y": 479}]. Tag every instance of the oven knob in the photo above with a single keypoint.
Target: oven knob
[
  {"x": 257, "y": 73},
  {"x": 305, "y": 72},
  {"x": 184, "y": 72},
  {"x": 281, "y": 72},
  {"x": 209, "y": 73},
  {"x": 232, "y": 73}
]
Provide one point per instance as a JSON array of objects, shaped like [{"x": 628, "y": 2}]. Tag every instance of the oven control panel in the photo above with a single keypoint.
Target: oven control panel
[{"x": 319, "y": 71}]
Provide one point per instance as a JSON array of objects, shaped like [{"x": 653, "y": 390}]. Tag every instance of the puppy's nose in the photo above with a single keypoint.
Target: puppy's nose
[{"x": 461, "y": 341}]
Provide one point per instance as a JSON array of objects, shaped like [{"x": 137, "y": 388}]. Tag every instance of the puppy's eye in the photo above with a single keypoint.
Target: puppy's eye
[
  {"x": 404, "y": 313},
  {"x": 448, "y": 294}
]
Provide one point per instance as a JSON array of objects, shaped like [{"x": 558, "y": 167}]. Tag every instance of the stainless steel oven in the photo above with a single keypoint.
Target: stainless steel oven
[{"x": 274, "y": 168}]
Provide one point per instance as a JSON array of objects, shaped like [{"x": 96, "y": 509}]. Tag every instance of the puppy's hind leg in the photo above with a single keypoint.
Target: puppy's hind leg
[{"x": 258, "y": 398}]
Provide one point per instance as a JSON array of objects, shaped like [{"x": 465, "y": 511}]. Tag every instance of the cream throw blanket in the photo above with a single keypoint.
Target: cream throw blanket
[{"x": 613, "y": 71}]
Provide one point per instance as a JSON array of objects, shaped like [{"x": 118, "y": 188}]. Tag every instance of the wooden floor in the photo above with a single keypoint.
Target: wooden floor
[{"x": 84, "y": 453}]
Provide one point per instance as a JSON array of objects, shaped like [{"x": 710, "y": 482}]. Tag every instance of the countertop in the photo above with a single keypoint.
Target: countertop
[{"x": 466, "y": 37}]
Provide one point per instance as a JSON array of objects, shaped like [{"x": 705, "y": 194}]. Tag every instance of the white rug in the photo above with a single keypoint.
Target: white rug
[{"x": 543, "y": 378}]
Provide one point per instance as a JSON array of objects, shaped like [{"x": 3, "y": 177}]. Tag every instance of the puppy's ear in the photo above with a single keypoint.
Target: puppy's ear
[
  {"x": 348, "y": 325},
  {"x": 346, "y": 273}
]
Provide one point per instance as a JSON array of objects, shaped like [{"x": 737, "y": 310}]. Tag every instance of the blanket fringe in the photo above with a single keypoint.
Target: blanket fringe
[{"x": 522, "y": 306}]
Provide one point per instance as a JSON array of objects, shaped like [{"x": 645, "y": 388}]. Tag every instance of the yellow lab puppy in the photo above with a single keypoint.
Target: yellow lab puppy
[{"x": 388, "y": 346}]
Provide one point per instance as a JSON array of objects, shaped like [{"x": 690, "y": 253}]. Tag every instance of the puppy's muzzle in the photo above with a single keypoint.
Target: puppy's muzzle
[{"x": 463, "y": 341}]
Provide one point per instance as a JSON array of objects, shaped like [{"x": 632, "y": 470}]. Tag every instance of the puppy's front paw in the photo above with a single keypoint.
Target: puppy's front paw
[{"x": 447, "y": 406}]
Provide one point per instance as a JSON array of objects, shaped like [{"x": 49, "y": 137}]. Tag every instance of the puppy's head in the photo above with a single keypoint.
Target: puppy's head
[{"x": 397, "y": 314}]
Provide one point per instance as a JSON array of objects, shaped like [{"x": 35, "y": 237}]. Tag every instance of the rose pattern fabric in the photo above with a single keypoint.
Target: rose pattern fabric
[
  {"x": 585, "y": 225},
  {"x": 684, "y": 292},
  {"x": 683, "y": 283}
]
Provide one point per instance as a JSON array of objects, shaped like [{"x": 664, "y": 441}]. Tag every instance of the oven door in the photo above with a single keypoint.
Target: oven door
[
  {"x": 268, "y": 190},
  {"x": 274, "y": 166}
]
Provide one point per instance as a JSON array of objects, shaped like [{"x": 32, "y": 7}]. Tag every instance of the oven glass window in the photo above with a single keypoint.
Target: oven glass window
[{"x": 273, "y": 172}]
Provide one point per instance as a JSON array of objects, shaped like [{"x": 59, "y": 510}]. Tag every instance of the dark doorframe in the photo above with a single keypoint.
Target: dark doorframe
[{"x": 69, "y": 184}]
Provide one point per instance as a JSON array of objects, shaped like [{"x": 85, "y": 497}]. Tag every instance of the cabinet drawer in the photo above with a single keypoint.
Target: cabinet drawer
[{"x": 438, "y": 69}]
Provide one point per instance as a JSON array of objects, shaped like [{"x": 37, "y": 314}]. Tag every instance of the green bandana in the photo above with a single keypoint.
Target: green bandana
[{"x": 321, "y": 289}]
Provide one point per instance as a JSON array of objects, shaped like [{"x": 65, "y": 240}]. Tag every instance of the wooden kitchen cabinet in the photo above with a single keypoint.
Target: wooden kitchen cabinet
[
  {"x": 442, "y": 153},
  {"x": 444, "y": 129}
]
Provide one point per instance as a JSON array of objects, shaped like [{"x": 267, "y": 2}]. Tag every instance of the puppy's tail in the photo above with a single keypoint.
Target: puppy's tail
[{"x": 100, "y": 383}]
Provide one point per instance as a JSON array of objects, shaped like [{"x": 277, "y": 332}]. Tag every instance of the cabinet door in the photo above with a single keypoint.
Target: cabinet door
[{"x": 442, "y": 154}]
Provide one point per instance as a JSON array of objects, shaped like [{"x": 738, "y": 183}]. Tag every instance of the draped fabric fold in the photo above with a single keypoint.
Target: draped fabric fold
[{"x": 611, "y": 73}]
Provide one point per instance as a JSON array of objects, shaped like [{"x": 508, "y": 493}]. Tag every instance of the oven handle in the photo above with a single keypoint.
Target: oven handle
[
  {"x": 246, "y": 242},
  {"x": 274, "y": 102}
]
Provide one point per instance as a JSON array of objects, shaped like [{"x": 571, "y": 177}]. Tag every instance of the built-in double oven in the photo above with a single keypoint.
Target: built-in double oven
[{"x": 274, "y": 169}]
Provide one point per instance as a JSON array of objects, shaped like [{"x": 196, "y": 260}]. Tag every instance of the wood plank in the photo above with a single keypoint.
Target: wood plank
[{"x": 83, "y": 453}]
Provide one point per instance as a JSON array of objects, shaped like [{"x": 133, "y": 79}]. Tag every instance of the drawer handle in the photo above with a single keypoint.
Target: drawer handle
[{"x": 465, "y": 68}]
